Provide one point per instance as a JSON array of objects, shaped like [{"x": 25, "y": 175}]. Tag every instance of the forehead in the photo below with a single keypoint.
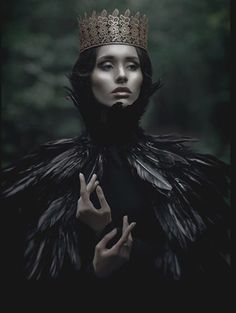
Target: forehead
[{"x": 117, "y": 51}]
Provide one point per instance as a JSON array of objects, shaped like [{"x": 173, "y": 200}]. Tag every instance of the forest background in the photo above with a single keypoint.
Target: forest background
[{"x": 189, "y": 45}]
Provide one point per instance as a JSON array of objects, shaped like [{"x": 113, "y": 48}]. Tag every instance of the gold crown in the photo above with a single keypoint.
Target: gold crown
[{"x": 104, "y": 28}]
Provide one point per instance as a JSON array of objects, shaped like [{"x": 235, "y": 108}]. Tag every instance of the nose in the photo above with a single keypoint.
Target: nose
[{"x": 121, "y": 76}]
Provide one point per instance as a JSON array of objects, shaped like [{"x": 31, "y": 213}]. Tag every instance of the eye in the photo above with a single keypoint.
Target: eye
[
  {"x": 133, "y": 66},
  {"x": 105, "y": 66}
]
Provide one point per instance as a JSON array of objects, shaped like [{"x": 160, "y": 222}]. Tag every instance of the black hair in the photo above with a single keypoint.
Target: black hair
[
  {"x": 95, "y": 115},
  {"x": 81, "y": 72}
]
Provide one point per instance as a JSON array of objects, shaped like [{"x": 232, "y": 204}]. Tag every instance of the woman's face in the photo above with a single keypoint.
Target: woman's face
[{"x": 117, "y": 76}]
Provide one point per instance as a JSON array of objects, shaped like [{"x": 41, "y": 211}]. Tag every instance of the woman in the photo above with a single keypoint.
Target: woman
[{"x": 116, "y": 203}]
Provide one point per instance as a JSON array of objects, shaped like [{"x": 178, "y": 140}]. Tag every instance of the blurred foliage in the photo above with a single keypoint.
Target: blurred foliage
[{"x": 188, "y": 45}]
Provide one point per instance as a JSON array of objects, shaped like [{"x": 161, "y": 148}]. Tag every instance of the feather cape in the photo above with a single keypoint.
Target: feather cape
[{"x": 187, "y": 189}]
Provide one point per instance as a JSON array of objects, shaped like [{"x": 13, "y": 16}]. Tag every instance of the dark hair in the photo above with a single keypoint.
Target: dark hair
[
  {"x": 81, "y": 72},
  {"x": 82, "y": 96}
]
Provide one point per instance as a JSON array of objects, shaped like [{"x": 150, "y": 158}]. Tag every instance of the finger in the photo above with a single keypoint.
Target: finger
[
  {"x": 91, "y": 183},
  {"x": 102, "y": 199},
  {"x": 102, "y": 243},
  {"x": 83, "y": 189},
  {"x": 125, "y": 226},
  {"x": 95, "y": 186},
  {"x": 130, "y": 234},
  {"x": 130, "y": 237},
  {"x": 124, "y": 236},
  {"x": 125, "y": 223}
]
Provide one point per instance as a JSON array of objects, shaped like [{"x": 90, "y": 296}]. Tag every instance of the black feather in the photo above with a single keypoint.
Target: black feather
[{"x": 187, "y": 192}]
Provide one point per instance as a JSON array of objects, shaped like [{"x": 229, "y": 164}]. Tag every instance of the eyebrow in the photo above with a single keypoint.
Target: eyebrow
[{"x": 111, "y": 57}]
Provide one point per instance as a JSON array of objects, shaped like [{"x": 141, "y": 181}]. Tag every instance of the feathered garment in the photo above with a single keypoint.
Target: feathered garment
[{"x": 186, "y": 192}]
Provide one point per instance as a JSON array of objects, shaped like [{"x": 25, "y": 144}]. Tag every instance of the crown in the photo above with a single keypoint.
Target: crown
[{"x": 104, "y": 28}]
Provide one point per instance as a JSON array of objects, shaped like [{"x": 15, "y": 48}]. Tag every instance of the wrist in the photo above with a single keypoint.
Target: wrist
[
  {"x": 106, "y": 229},
  {"x": 98, "y": 273},
  {"x": 102, "y": 225}
]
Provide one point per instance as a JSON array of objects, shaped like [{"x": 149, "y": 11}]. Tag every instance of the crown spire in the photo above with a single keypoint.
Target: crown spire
[{"x": 115, "y": 28}]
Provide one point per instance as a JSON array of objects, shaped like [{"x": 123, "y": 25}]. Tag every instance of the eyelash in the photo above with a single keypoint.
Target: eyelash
[{"x": 107, "y": 66}]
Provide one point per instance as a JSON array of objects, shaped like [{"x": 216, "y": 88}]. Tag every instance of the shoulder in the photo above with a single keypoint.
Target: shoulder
[
  {"x": 49, "y": 150},
  {"x": 51, "y": 161},
  {"x": 173, "y": 157},
  {"x": 191, "y": 189},
  {"x": 181, "y": 148}
]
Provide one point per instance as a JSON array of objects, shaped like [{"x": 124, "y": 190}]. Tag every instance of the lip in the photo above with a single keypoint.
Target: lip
[
  {"x": 123, "y": 90},
  {"x": 121, "y": 95}
]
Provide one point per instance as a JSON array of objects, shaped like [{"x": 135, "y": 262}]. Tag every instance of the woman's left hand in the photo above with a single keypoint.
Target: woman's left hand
[
  {"x": 86, "y": 212},
  {"x": 107, "y": 260}
]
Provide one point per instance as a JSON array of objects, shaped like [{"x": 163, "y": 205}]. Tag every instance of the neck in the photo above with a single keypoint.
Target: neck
[{"x": 115, "y": 124}]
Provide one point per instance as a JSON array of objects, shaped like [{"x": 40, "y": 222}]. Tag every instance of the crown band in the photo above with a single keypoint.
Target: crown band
[{"x": 103, "y": 29}]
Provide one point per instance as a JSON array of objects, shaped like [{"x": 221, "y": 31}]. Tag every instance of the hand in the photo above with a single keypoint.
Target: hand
[
  {"x": 107, "y": 260},
  {"x": 86, "y": 212}
]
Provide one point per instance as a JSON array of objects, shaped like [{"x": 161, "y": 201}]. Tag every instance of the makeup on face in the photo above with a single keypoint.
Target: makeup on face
[{"x": 117, "y": 75}]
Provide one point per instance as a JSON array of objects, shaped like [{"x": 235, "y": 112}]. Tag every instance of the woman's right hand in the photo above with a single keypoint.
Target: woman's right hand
[
  {"x": 107, "y": 260},
  {"x": 86, "y": 212}
]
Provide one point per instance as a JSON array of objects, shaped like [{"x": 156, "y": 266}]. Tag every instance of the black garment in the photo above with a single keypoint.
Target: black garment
[
  {"x": 127, "y": 196},
  {"x": 176, "y": 196},
  {"x": 178, "y": 204}
]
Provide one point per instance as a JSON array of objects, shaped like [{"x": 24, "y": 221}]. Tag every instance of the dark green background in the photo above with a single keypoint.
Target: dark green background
[{"x": 188, "y": 45}]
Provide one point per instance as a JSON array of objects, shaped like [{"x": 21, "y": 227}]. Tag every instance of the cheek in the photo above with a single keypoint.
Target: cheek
[
  {"x": 137, "y": 81},
  {"x": 140, "y": 81},
  {"x": 99, "y": 80}
]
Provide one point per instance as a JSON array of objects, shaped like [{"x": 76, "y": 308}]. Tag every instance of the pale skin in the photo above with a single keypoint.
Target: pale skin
[
  {"x": 86, "y": 212},
  {"x": 117, "y": 66},
  {"x": 106, "y": 260}
]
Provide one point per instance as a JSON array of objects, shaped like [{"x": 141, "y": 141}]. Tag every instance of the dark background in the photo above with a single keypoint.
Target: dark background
[{"x": 189, "y": 47}]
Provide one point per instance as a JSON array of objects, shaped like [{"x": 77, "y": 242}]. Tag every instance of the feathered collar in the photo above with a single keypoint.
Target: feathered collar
[
  {"x": 115, "y": 124},
  {"x": 170, "y": 168},
  {"x": 187, "y": 189}
]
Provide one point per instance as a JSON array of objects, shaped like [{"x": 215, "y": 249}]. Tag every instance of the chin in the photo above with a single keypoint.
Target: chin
[
  {"x": 126, "y": 104},
  {"x": 123, "y": 103}
]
